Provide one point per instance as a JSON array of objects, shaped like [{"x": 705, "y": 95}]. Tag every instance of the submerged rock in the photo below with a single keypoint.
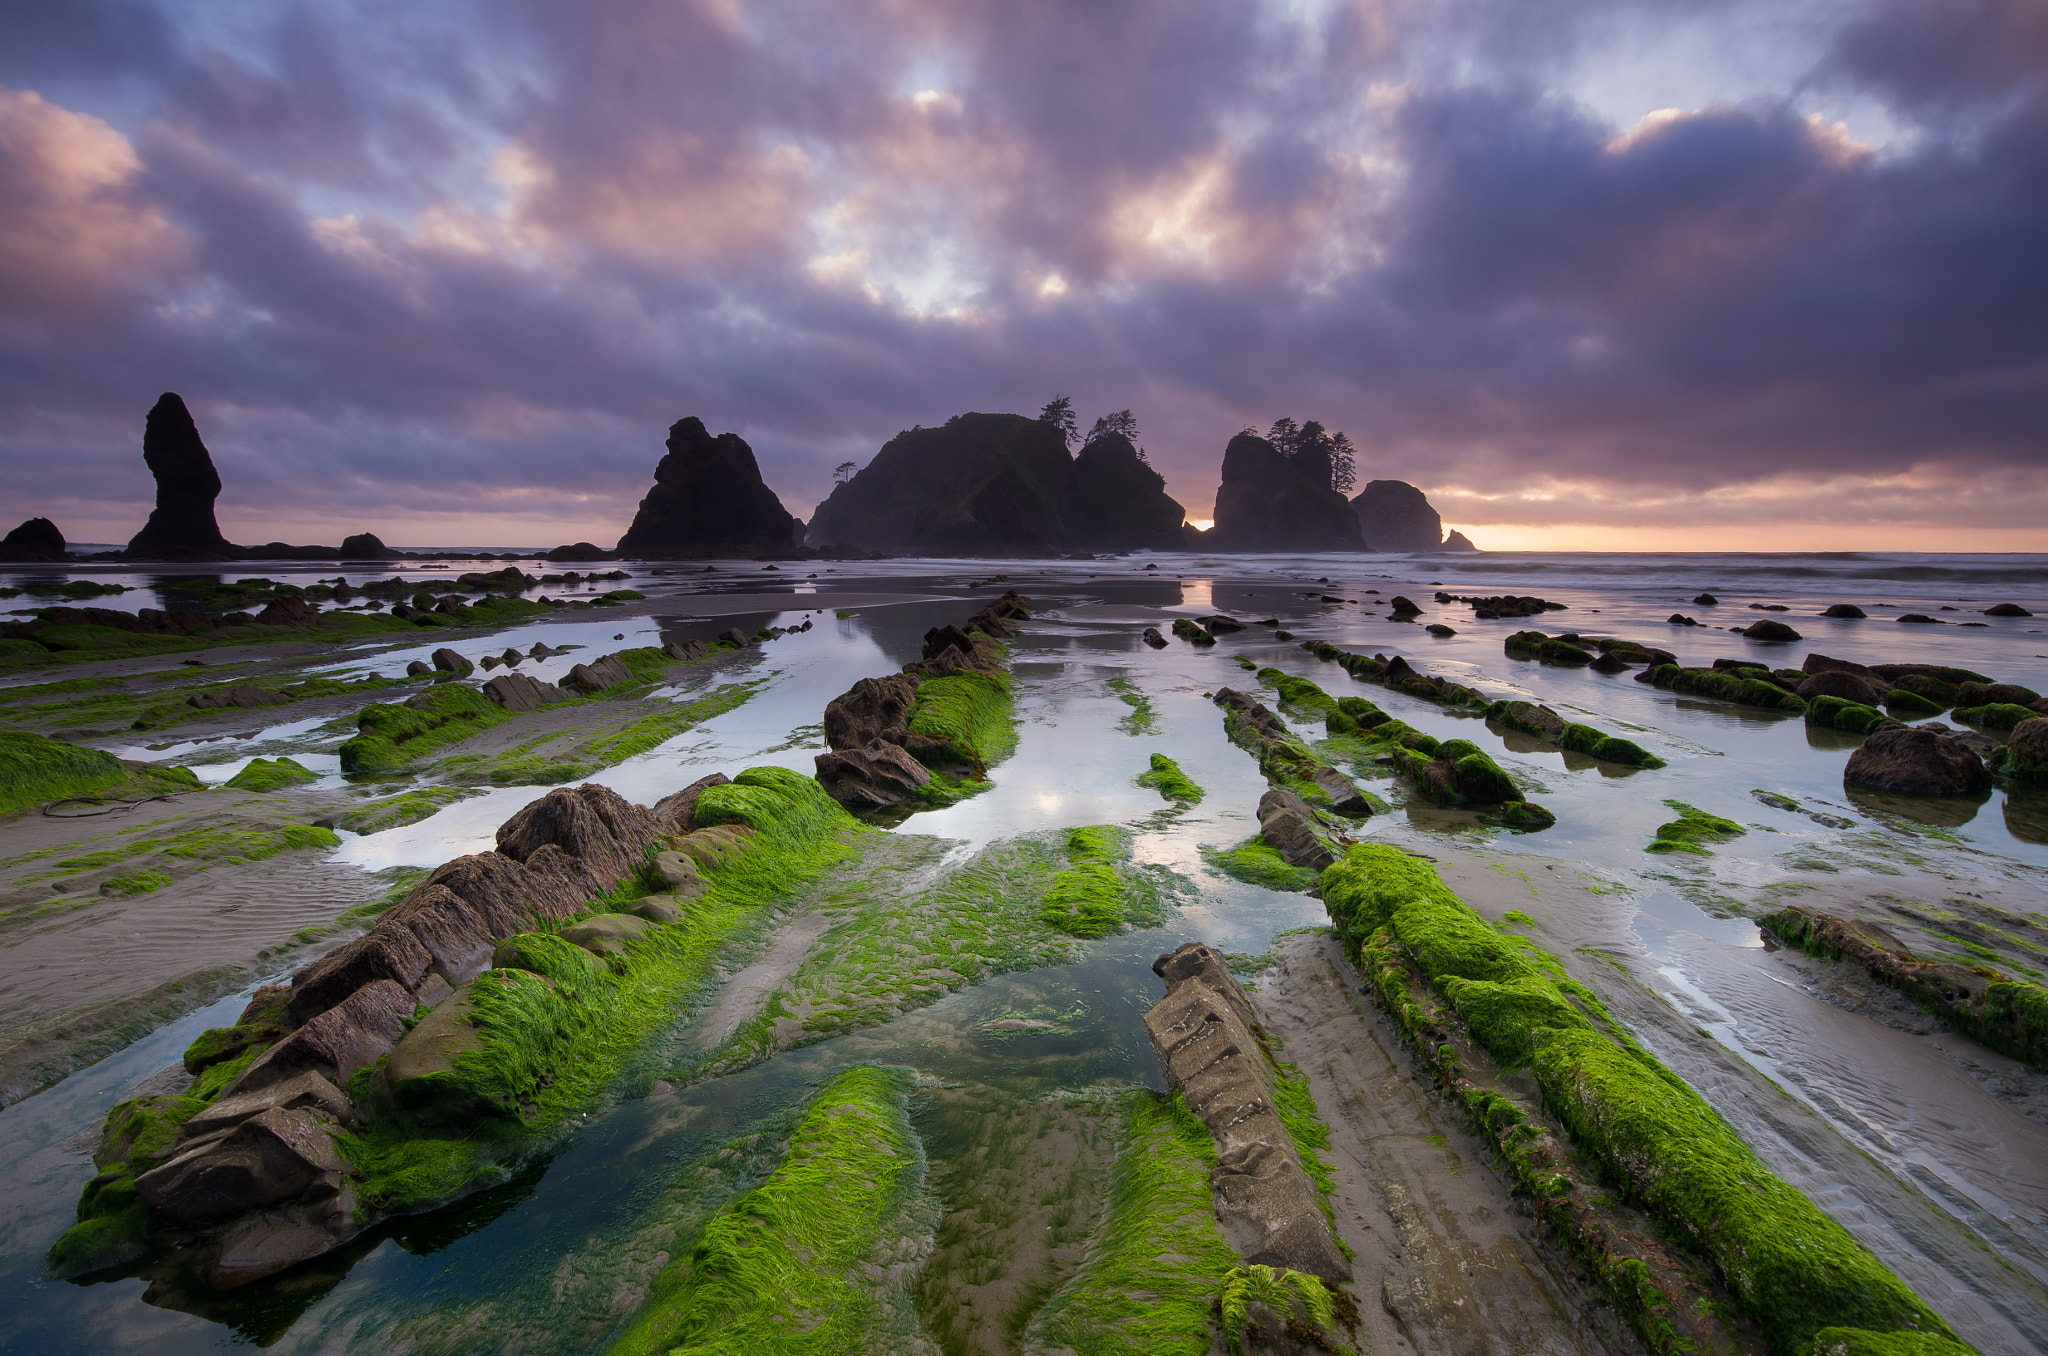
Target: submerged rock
[
  {"x": 1203, "y": 1034},
  {"x": 708, "y": 500},
  {"x": 182, "y": 525}
]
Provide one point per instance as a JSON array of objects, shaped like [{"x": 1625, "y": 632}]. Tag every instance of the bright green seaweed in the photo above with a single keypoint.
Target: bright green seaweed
[{"x": 1169, "y": 781}]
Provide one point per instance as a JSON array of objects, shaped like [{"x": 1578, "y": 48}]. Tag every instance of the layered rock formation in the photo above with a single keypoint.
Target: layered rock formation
[
  {"x": 1395, "y": 516},
  {"x": 876, "y": 759},
  {"x": 182, "y": 525},
  {"x": 1211, "y": 1049},
  {"x": 35, "y": 540},
  {"x": 983, "y": 484},
  {"x": 1265, "y": 504},
  {"x": 708, "y": 500},
  {"x": 1123, "y": 501}
]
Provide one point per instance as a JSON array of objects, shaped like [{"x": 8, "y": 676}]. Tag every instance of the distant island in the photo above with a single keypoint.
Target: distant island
[{"x": 977, "y": 485}]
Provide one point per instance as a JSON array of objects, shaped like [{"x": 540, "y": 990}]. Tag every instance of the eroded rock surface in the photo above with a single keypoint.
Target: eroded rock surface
[{"x": 1209, "y": 1048}]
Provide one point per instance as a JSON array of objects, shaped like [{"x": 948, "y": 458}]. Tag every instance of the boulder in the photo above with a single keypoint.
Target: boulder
[
  {"x": 1848, "y": 610},
  {"x": 36, "y": 540},
  {"x": 1395, "y": 516},
  {"x": 1345, "y": 797},
  {"x": 1440, "y": 630},
  {"x": 595, "y": 823},
  {"x": 1987, "y": 694},
  {"x": 678, "y": 873},
  {"x": 1820, "y": 663},
  {"x": 1266, "y": 504},
  {"x": 1768, "y": 630},
  {"x": 1940, "y": 672},
  {"x": 2027, "y": 748},
  {"x": 239, "y": 697},
  {"x": 518, "y": 692},
  {"x": 418, "y": 668},
  {"x": 873, "y": 708},
  {"x": 417, "y": 1076},
  {"x": 1289, "y": 825},
  {"x": 457, "y": 939},
  {"x": 391, "y": 954},
  {"x": 2000, "y": 610},
  {"x": 1870, "y": 690},
  {"x": 736, "y": 638},
  {"x": 1706, "y": 600},
  {"x": 305, "y": 1091},
  {"x": 1154, "y": 639},
  {"x": 447, "y": 661},
  {"x": 1608, "y": 662},
  {"x": 708, "y": 499},
  {"x": 1537, "y": 720},
  {"x": 715, "y": 845},
  {"x": 287, "y": 609},
  {"x": 606, "y": 935},
  {"x": 598, "y": 674},
  {"x": 182, "y": 526},
  {"x": 1202, "y": 1032},
  {"x": 273, "y": 1157},
  {"x": 874, "y": 775},
  {"x": 1220, "y": 625},
  {"x": 676, "y": 812},
  {"x": 659, "y": 909},
  {"x": 1917, "y": 761},
  {"x": 1920, "y": 619},
  {"x": 1121, "y": 503}
]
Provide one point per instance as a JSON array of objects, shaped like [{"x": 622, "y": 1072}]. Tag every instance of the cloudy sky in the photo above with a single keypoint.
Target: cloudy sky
[{"x": 1594, "y": 274}]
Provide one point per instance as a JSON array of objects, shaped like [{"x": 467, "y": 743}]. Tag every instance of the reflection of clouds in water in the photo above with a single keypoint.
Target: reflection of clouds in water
[{"x": 464, "y": 827}]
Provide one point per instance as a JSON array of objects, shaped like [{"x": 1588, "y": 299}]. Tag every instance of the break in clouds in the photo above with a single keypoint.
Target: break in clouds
[{"x": 448, "y": 271}]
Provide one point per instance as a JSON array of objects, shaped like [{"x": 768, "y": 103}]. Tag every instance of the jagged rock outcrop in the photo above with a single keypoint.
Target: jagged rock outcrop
[
  {"x": 876, "y": 761},
  {"x": 1395, "y": 516},
  {"x": 981, "y": 484},
  {"x": 708, "y": 500},
  {"x": 1123, "y": 501},
  {"x": 1458, "y": 541},
  {"x": 1265, "y": 504},
  {"x": 182, "y": 526},
  {"x": 35, "y": 540},
  {"x": 1210, "y": 1048}
]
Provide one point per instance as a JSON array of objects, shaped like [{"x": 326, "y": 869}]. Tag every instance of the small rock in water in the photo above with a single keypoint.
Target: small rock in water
[
  {"x": 1849, "y": 610},
  {"x": 1705, "y": 600},
  {"x": 1680, "y": 619},
  {"x": 2007, "y": 610},
  {"x": 1439, "y": 629},
  {"x": 1922, "y": 618}
]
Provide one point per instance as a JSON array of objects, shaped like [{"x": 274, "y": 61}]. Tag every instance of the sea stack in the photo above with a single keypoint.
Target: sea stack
[
  {"x": 1124, "y": 505},
  {"x": 708, "y": 500},
  {"x": 1265, "y": 504},
  {"x": 1395, "y": 516},
  {"x": 35, "y": 540},
  {"x": 182, "y": 526},
  {"x": 980, "y": 485},
  {"x": 367, "y": 546}
]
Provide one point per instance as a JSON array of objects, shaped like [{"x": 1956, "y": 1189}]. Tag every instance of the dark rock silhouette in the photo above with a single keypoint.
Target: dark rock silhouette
[
  {"x": 1395, "y": 516},
  {"x": 1123, "y": 501},
  {"x": 1265, "y": 504},
  {"x": 35, "y": 540},
  {"x": 1458, "y": 541},
  {"x": 581, "y": 551},
  {"x": 366, "y": 546},
  {"x": 982, "y": 484},
  {"x": 182, "y": 526},
  {"x": 277, "y": 550},
  {"x": 708, "y": 500}
]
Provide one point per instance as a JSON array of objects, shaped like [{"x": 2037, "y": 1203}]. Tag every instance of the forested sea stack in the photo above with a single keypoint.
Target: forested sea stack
[
  {"x": 1124, "y": 504},
  {"x": 182, "y": 525},
  {"x": 708, "y": 500},
  {"x": 1266, "y": 503}
]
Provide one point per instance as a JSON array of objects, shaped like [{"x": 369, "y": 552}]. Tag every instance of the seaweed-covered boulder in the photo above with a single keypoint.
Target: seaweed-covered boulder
[
  {"x": 1869, "y": 689},
  {"x": 182, "y": 525},
  {"x": 1202, "y": 1033},
  {"x": 708, "y": 500},
  {"x": 36, "y": 540},
  {"x": 1266, "y": 504},
  {"x": 2026, "y": 751},
  {"x": 1917, "y": 761},
  {"x": 1994, "y": 694}
]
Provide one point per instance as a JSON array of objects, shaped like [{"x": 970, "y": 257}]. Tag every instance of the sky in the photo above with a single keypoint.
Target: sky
[{"x": 1594, "y": 274}]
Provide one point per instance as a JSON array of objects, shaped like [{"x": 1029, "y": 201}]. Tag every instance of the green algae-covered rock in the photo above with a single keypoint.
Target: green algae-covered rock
[
  {"x": 1995, "y": 716},
  {"x": 1169, "y": 781},
  {"x": 421, "y": 1076},
  {"x": 1692, "y": 829},
  {"x": 1525, "y": 816},
  {"x": 1862, "y": 1342},
  {"x": 393, "y": 734},
  {"x": 607, "y": 934},
  {"x": 270, "y": 774},
  {"x": 1842, "y": 714},
  {"x": 1910, "y": 705}
]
